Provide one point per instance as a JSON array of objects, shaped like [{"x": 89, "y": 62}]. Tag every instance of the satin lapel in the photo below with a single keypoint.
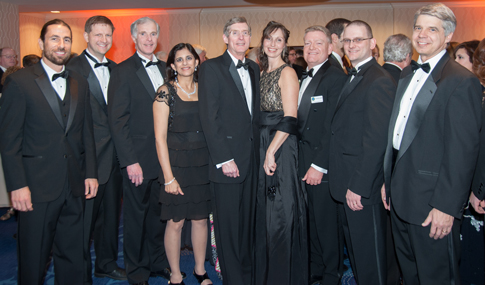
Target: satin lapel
[
  {"x": 305, "y": 103},
  {"x": 145, "y": 80},
  {"x": 420, "y": 105},
  {"x": 254, "y": 92},
  {"x": 73, "y": 88},
  {"x": 237, "y": 80},
  {"x": 50, "y": 95},
  {"x": 96, "y": 91}
]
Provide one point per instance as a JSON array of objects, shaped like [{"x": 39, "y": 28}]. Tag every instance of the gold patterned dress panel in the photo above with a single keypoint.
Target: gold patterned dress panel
[{"x": 271, "y": 91}]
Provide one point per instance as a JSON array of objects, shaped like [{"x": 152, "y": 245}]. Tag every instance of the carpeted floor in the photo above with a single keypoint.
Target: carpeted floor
[{"x": 8, "y": 256}]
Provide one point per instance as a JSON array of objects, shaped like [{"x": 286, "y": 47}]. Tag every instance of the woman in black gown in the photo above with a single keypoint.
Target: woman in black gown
[
  {"x": 183, "y": 156},
  {"x": 281, "y": 243}
]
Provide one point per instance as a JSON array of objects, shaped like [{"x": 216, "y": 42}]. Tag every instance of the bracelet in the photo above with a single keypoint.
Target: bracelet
[{"x": 168, "y": 183}]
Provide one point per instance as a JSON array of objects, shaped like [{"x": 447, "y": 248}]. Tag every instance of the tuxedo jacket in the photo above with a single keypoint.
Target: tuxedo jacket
[
  {"x": 478, "y": 186},
  {"x": 334, "y": 62},
  {"x": 439, "y": 148},
  {"x": 130, "y": 115},
  {"x": 38, "y": 149},
  {"x": 393, "y": 70},
  {"x": 231, "y": 131},
  {"x": 315, "y": 112},
  {"x": 359, "y": 134},
  {"x": 1, "y": 75},
  {"x": 105, "y": 153},
  {"x": 299, "y": 70}
]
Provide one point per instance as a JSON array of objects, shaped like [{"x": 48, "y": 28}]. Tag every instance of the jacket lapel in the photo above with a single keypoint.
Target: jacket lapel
[
  {"x": 49, "y": 93},
  {"x": 420, "y": 105},
  {"x": 143, "y": 76},
  {"x": 305, "y": 103},
  {"x": 73, "y": 88},
  {"x": 254, "y": 91},
  {"x": 93, "y": 81}
]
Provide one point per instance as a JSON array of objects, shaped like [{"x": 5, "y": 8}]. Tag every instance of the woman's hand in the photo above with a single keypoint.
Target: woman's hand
[
  {"x": 174, "y": 188},
  {"x": 269, "y": 164}
]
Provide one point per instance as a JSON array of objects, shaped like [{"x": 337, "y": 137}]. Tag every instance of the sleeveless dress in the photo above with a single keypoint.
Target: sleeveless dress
[
  {"x": 189, "y": 158},
  {"x": 281, "y": 232}
]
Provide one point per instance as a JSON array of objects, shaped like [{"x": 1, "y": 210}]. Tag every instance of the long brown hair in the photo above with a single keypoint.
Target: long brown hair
[
  {"x": 270, "y": 28},
  {"x": 479, "y": 62}
]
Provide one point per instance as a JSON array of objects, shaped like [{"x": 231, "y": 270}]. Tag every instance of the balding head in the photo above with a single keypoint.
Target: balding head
[{"x": 8, "y": 57}]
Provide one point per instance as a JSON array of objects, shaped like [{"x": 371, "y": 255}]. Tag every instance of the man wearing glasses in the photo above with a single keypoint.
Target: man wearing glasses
[
  {"x": 8, "y": 58},
  {"x": 357, "y": 146}
]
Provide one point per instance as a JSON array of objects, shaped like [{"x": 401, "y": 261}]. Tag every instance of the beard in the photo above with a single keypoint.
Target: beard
[{"x": 51, "y": 56}]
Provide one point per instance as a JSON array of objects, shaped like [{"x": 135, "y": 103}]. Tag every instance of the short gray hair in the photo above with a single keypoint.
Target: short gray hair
[
  {"x": 233, "y": 21},
  {"x": 199, "y": 49},
  {"x": 141, "y": 21},
  {"x": 441, "y": 12},
  {"x": 318, "y": 28},
  {"x": 397, "y": 47}
]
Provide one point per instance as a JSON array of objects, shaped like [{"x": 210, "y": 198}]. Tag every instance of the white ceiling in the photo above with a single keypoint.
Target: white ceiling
[{"x": 76, "y": 5}]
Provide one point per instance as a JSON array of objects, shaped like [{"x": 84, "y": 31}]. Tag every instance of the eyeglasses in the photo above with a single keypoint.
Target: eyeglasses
[
  {"x": 10, "y": 56},
  {"x": 292, "y": 54},
  {"x": 239, "y": 33},
  {"x": 355, "y": 41}
]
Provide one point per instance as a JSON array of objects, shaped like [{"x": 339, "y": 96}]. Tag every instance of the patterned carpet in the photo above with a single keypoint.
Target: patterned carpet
[{"x": 8, "y": 256}]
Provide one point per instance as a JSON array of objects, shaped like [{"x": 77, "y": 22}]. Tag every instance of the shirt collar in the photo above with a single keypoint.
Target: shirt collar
[
  {"x": 3, "y": 68},
  {"x": 317, "y": 67},
  {"x": 434, "y": 60},
  {"x": 235, "y": 60},
  {"x": 390, "y": 63},
  {"x": 154, "y": 58},
  {"x": 339, "y": 58},
  {"x": 104, "y": 58},
  {"x": 357, "y": 67},
  {"x": 49, "y": 70}
]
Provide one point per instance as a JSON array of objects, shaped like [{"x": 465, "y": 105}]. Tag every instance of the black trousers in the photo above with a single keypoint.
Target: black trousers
[
  {"x": 58, "y": 226},
  {"x": 234, "y": 211},
  {"x": 326, "y": 235},
  {"x": 424, "y": 260},
  {"x": 365, "y": 237},
  {"x": 143, "y": 231},
  {"x": 101, "y": 222}
]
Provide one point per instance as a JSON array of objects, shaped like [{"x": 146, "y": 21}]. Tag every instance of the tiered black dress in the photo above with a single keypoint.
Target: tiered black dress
[
  {"x": 281, "y": 232},
  {"x": 189, "y": 159}
]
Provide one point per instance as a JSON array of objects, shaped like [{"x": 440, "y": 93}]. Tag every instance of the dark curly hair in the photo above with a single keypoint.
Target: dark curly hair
[
  {"x": 270, "y": 28},
  {"x": 171, "y": 59},
  {"x": 479, "y": 62},
  {"x": 469, "y": 47}
]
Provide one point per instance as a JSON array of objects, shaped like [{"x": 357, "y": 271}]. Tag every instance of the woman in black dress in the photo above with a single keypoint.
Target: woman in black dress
[{"x": 183, "y": 156}]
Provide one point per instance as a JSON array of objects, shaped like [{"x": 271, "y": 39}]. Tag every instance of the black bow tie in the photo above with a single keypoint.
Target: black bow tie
[
  {"x": 352, "y": 71},
  {"x": 305, "y": 74},
  {"x": 425, "y": 66},
  {"x": 150, "y": 63},
  {"x": 241, "y": 64},
  {"x": 63, "y": 74}
]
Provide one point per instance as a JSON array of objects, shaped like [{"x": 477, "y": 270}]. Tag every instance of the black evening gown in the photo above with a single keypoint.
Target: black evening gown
[
  {"x": 281, "y": 255},
  {"x": 189, "y": 159}
]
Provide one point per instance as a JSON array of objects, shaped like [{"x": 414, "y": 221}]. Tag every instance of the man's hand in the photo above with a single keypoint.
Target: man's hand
[
  {"x": 21, "y": 200},
  {"x": 441, "y": 223},
  {"x": 91, "y": 187},
  {"x": 230, "y": 169},
  {"x": 313, "y": 176},
  {"x": 383, "y": 196},
  {"x": 135, "y": 174},
  {"x": 477, "y": 204},
  {"x": 353, "y": 201}
]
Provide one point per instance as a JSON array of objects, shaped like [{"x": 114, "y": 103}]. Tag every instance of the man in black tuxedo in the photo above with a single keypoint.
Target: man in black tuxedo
[
  {"x": 431, "y": 153},
  {"x": 49, "y": 159},
  {"x": 357, "y": 146},
  {"x": 398, "y": 53},
  {"x": 318, "y": 96},
  {"x": 292, "y": 58},
  {"x": 131, "y": 92},
  {"x": 229, "y": 112},
  {"x": 336, "y": 28},
  {"x": 8, "y": 58},
  {"x": 101, "y": 214}
]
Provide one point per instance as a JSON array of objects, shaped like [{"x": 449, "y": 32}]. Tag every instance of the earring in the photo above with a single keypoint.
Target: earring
[
  {"x": 175, "y": 72},
  {"x": 196, "y": 68}
]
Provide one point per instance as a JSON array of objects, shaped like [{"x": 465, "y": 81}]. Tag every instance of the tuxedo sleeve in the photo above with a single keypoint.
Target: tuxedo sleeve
[
  {"x": 462, "y": 121},
  {"x": 13, "y": 106},
  {"x": 119, "y": 116},
  {"x": 210, "y": 91},
  {"x": 88, "y": 136},
  {"x": 332, "y": 93},
  {"x": 378, "y": 102}
]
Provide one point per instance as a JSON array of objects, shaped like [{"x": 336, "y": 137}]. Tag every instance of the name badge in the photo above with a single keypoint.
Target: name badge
[{"x": 317, "y": 99}]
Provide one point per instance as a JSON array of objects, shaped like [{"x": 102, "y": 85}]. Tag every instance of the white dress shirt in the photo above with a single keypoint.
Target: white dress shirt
[
  {"x": 59, "y": 84},
  {"x": 153, "y": 72},
  {"x": 102, "y": 73},
  {"x": 407, "y": 101},
  {"x": 357, "y": 67}
]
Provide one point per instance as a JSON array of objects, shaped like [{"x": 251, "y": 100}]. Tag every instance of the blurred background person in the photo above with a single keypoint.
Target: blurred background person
[
  {"x": 162, "y": 55},
  {"x": 202, "y": 52},
  {"x": 8, "y": 58},
  {"x": 463, "y": 53},
  {"x": 398, "y": 53},
  {"x": 30, "y": 60}
]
